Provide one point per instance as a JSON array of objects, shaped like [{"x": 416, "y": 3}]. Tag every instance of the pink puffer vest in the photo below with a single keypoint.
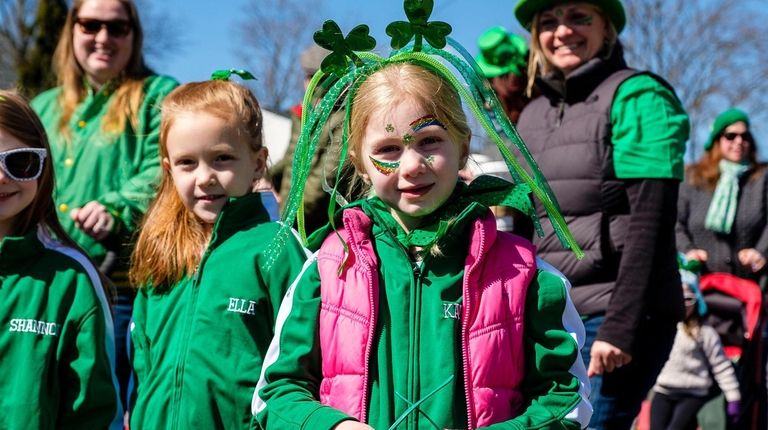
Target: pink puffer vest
[{"x": 499, "y": 267}]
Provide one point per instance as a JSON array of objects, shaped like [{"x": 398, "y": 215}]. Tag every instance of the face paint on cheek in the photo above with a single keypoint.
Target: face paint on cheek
[
  {"x": 384, "y": 167},
  {"x": 429, "y": 159}
]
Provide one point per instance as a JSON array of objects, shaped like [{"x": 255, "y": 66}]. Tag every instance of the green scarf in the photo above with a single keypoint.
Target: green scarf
[
  {"x": 722, "y": 209},
  {"x": 466, "y": 202}
]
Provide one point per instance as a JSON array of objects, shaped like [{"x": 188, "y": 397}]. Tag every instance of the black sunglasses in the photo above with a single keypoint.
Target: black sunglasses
[
  {"x": 747, "y": 136},
  {"x": 115, "y": 28},
  {"x": 23, "y": 164}
]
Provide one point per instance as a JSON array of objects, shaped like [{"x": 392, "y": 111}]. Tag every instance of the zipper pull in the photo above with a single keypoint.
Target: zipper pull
[{"x": 560, "y": 112}]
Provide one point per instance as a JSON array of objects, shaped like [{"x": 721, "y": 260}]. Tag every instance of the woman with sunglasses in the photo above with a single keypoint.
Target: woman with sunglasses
[
  {"x": 610, "y": 140},
  {"x": 103, "y": 122},
  {"x": 56, "y": 339},
  {"x": 723, "y": 207}
]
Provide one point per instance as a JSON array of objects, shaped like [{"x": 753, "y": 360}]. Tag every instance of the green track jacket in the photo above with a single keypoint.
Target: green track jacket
[
  {"x": 199, "y": 345},
  {"x": 417, "y": 357},
  {"x": 56, "y": 342}
]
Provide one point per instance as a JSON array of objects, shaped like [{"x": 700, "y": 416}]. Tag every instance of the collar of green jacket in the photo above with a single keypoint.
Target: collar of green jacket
[
  {"x": 15, "y": 250},
  {"x": 465, "y": 203},
  {"x": 238, "y": 214}
]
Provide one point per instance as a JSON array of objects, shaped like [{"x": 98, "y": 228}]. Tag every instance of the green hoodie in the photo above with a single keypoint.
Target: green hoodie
[
  {"x": 417, "y": 353},
  {"x": 56, "y": 343},
  {"x": 120, "y": 171},
  {"x": 199, "y": 344}
]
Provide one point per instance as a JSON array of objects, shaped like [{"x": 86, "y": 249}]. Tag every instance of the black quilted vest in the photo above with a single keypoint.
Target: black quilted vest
[{"x": 568, "y": 131}]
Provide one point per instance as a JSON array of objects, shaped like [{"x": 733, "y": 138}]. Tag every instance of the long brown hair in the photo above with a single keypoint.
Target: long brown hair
[
  {"x": 172, "y": 239},
  {"x": 129, "y": 92},
  {"x": 706, "y": 172},
  {"x": 19, "y": 120}
]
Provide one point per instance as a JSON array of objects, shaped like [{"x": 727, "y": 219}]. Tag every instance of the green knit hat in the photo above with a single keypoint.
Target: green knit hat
[
  {"x": 722, "y": 121},
  {"x": 501, "y": 53},
  {"x": 526, "y": 9}
]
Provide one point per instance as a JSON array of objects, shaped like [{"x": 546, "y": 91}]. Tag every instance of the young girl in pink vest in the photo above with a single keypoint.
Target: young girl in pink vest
[{"x": 415, "y": 312}]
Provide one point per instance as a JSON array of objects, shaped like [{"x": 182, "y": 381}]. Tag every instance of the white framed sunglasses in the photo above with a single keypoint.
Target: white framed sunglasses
[{"x": 23, "y": 164}]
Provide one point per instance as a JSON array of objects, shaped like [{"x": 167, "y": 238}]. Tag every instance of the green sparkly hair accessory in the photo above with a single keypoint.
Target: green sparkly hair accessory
[
  {"x": 224, "y": 75},
  {"x": 349, "y": 65}
]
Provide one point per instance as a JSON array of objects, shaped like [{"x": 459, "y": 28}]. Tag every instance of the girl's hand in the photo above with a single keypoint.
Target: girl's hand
[
  {"x": 605, "y": 358},
  {"x": 751, "y": 258},
  {"x": 93, "y": 219},
  {"x": 352, "y": 425},
  {"x": 696, "y": 254}
]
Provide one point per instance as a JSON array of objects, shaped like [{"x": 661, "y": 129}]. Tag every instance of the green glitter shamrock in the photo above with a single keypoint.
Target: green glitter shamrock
[
  {"x": 331, "y": 38},
  {"x": 418, "y": 12}
]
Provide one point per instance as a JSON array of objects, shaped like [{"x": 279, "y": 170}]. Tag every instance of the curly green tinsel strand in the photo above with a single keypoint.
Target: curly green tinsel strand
[
  {"x": 504, "y": 122},
  {"x": 543, "y": 194},
  {"x": 312, "y": 123}
]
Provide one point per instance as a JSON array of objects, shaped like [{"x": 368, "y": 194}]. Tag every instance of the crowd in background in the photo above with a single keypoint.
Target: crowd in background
[{"x": 669, "y": 290}]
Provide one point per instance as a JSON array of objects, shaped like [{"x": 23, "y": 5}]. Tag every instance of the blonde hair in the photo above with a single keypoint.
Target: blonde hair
[
  {"x": 129, "y": 93},
  {"x": 538, "y": 65},
  {"x": 172, "y": 238},
  {"x": 404, "y": 82}
]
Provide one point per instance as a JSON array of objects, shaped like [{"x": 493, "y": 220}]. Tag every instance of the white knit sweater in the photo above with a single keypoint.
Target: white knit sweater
[{"x": 687, "y": 372}]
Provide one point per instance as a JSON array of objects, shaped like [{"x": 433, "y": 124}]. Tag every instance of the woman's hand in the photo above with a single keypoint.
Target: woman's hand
[
  {"x": 751, "y": 258},
  {"x": 352, "y": 425},
  {"x": 94, "y": 219},
  {"x": 605, "y": 358},
  {"x": 696, "y": 254}
]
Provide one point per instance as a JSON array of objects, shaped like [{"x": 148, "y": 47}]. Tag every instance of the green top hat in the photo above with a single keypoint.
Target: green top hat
[
  {"x": 722, "y": 121},
  {"x": 526, "y": 9},
  {"x": 501, "y": 53}
]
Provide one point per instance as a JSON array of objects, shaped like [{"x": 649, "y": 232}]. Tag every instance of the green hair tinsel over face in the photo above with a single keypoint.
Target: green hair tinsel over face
[{"x": 346, "y": 72}]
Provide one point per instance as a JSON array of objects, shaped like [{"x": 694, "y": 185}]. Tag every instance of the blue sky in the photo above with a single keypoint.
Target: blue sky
[{"x": 209, "y": 31}]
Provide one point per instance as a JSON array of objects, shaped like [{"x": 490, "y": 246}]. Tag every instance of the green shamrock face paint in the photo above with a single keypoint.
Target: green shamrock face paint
[{"x": 389, "y": 128}]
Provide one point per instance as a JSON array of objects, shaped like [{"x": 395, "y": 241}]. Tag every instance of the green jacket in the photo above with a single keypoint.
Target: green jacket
[
  {"x": 417, "y": 355},
  {"x": 118, "y": 171},
  {"x": 198, "y": 345},
  {"x": 56, "y": 342}
]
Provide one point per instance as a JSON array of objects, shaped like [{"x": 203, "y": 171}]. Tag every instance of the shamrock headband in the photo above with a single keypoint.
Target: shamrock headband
[{"x": 349, "y": 64}]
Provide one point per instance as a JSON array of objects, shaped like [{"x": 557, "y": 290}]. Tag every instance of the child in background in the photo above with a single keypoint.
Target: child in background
[
  {"x": 56, "y": 336},
  {"x": 205, "y": 315},
  {"x": 416, "y": 312},
  {"x": 697, "y": 356}
]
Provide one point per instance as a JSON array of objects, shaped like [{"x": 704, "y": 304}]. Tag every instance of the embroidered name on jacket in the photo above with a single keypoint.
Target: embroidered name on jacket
[
  {"x": 24, "y": 325},
  {"x": 242, "y": 306},
  {"x": 452, "y": 311}
]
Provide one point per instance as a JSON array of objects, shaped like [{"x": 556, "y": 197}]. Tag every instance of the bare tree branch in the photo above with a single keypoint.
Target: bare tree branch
[
  {"x": 712, "y": 53},
  {"x": 273, "y": 34}
]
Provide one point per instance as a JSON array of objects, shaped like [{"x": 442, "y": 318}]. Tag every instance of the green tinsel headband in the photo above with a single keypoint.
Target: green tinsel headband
[{"x": 348, "y": 65}]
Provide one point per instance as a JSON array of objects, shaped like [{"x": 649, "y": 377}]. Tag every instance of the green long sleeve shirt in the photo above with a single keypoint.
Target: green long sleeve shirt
[{"x": 120, "y": 171}]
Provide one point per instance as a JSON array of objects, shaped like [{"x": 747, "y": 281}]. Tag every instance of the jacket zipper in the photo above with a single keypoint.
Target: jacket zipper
[
  {"x": 369, "y": 345},
  {"x": 179, "y": 374},
  {"x": 465, "y": 337}
]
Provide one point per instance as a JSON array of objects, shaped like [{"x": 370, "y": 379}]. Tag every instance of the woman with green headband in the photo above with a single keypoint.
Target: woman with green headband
[
  {"x": 610, "y": 140},
  {"x": 723, "y": 208}
]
